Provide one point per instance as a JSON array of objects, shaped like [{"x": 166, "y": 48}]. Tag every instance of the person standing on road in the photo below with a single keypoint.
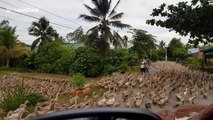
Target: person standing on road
[
  {"x": 143, "y": 69},
  {"x": 177, "y": 60},
  {"x": 146, "y": 65}
]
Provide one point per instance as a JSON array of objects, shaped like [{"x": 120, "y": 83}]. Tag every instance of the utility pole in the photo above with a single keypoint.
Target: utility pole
[{"x": 166, "y": 53}]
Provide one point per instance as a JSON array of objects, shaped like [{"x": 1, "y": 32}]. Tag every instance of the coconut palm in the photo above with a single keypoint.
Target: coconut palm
[
  {"x": 43, "y": 31},
  {"x": 106, "y": 17},
  {"x": 10, "y": 47}
]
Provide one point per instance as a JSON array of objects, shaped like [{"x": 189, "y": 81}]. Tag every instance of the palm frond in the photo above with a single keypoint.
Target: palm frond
[
  {"x": 96, "y": 3},
  {"x": 35, "y": 25},
  {"x": 108, "y": 33},
  {"x": 93, "y": 11},
  {"x": 89, "y": 18},
  {"x": 34, "y": 31},
  {"x": 117, "y": 40},
  {"x": 105, "y": 7},
  {"x": 92, "y": 29},
  {"x": 118, "y": 24},
  {"x": 35, "y": 42},
  {"x": 117, "y": 16},
  {"x": 102, "y": 6},
  {"x": 44, "y": 23},
  {"x": 113, "y": 12},
  {"x": 51, "y": 32}
]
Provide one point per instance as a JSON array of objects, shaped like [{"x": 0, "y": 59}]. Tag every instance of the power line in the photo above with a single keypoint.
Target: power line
[
  {"x": 9, "y": 18},
  {"x": 33, "y": 17},
  {"x": 49, "y": 12},
  {"x": 16, "y": 6},
  {"x": 9, "y": 4}
]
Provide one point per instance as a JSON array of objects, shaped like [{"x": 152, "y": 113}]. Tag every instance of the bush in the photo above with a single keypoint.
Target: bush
[
  {"x": 86, "y": 62},
  {"x": 78, "y": 81},
  {"x": 123, "y": 68},
  {"x": 118, "y": 61},
  {"x": 109, "y": 69},
  {"x": 54, "y": 58},
  {"x": 13, "y": 99},
  {"x": 131, "y": 58},
  {"x": 193, "y": 63}
]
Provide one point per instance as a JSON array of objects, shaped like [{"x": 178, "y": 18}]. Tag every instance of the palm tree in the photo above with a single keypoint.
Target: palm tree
[
  {"x": 105, "y": 17},
  {"x": 43, "y": 31},
  {"x": 10, "y": 47}
]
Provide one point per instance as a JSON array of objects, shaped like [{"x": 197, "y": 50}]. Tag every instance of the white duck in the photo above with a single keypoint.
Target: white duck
[{"x": 102, "y": 102}]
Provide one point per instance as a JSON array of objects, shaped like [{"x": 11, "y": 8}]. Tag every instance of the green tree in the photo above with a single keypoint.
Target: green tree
[
  {"x": 43, "y": 31},
  {"x": 176, "y": 48},
  {"x": 143, "y": 43},
  {"x": 54, "y": 58},
  {"x": 77, "y": 35},
  {"x": 161, "y": 49},
  {"x": 106, "y": 18},
  {"x": 86, "y": 62},
  {"x": 10, "y": 47},
  {"x": 195, "y": 20}
]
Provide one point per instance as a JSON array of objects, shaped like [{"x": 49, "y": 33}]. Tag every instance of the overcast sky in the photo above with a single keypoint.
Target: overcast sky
[{"x": 136, "y": 12}]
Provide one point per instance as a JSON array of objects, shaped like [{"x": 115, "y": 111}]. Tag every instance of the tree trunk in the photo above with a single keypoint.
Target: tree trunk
[{"x": 8, "y": 63}]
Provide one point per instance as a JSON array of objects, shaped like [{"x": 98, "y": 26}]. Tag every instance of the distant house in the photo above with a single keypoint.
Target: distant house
[
  {"x": 205, "y": 55},
  {"x": 208, "y": 55},
  {"x": 196, "y": 53}
]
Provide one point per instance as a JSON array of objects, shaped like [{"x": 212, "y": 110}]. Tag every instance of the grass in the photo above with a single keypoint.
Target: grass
[
  {"x": 134, "y": 69},
  {"x": 9, "y": 69}
]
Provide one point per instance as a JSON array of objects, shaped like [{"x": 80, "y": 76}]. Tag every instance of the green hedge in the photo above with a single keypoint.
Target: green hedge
[
  {"x": 193, "y": 63},
  {"x": 86, "y": 62}
]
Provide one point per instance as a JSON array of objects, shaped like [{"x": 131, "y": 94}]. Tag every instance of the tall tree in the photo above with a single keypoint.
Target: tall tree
[
  {"x": 106, "y": 18},
  {"x": 77, "y": 35},
  {"x": 43, "y": 31},
  {"x": 194, "y": 19},
  {"x": 10, "y": 47},
  {"x": 176, "y": 48},
  {"x": 161, "y": 49},
  {"x": 143, "y": 43}
]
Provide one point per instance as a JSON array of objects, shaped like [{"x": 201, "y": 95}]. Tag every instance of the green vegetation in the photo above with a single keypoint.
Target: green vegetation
[
  {"x": 194, "y": 19},
  {"x": 177, "y": 49},
  {"x": 161, "y": 50},
  {"x": 43, "y": 31},
  {"x": 193, "y": 63},
  {"x": 10, "y": 47},
  {"x": 54, "y": 58},
  {"x": 106, "y": 18},
  {"x": 86, "y": 62},
  {"x": 103, "y": 51},
  {"x": 144, "y": 44},
  {"x": 17, "y": 96},
  {"x": 78, "y": 81},
  {"x": 77, "y": 36}
]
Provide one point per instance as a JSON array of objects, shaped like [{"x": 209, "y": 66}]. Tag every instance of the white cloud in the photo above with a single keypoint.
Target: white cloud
[{"x": 136, "y": 14}]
